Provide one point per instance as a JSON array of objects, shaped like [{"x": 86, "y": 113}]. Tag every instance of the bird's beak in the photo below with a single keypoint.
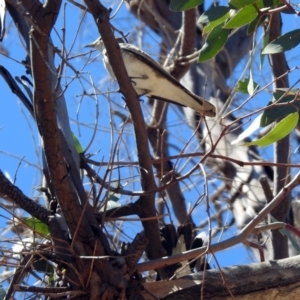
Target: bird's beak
[{"x": 91, "y": 45}]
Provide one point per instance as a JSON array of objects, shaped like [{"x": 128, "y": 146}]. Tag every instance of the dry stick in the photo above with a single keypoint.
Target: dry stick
[
  {"x": 209, "y": 239},
  {"x": 240, "y": 237},
  {"x": 118, "y": 190},
  {"x": 240, "y": 163},
  {"x": 266, "y": 188}
]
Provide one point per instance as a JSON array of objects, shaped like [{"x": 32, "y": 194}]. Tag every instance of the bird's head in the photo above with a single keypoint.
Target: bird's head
[{"x": 99, "y": 45}]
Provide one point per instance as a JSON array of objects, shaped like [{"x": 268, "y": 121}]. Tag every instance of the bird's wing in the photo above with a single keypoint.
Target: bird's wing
[{"x": 146, "y": 59}]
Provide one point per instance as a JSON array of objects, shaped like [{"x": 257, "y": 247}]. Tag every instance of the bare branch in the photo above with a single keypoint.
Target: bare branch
[{"x": 12, "y": 193}]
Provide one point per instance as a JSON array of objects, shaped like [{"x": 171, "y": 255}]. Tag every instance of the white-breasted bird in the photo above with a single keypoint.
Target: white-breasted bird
[{"x": 150, "y": 79}]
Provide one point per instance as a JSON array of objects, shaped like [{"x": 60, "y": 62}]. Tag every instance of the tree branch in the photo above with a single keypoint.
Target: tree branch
[
  {"x": 282, "y": 147},
  {"x": 146, "y": 207},
  {"x": 14, "y": 194},
  {"x": 240, "y": 237},
  {"x": 282, "y": 278}
]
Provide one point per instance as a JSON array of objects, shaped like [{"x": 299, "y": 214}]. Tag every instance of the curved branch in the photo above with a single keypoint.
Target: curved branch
[{"x": 12, "y": 193}]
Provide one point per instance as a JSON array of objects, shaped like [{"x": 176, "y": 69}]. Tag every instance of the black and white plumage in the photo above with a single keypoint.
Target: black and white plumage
[{"x": 150, "y": 79}]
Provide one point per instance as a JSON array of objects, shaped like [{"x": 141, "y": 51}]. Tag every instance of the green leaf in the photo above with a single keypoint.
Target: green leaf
[
  {"x": 180, "y": 5},
  {"x": 77, "y": 144},
  {"x": 280, "y": 130},
  {"x": 114, "y": 196},
  {"x": 291, "y": 238},
  {"x": 43, "y": 266},
  {"x": 265, "y": 42},
  {"x": 258, "y": 3},
  {"x": 241, "y": 3},
  {"x": 110, "y": 204},
  {"x": 271, "y": 3},
  {"x": 37, "y": 225},
  {"x": 268, "y": 4},
  {"x": 284, "y": 43},
  {"x": 2, "y": 292},
  {"x": 278, "y": 112},
  {"x": 214, "y": 16},
  {"x": 287, "y": 233},
  {"x": 252, "y": 27},
  {"x": 252, "y": 86},
  {"x": 215, "y": 41},
  {"x": 244, "y": 16},
  {"x": 243, "y": 86}
]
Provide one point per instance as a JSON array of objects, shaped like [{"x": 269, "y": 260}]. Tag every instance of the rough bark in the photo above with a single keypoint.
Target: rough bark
[{"x": 281, "y": 278}]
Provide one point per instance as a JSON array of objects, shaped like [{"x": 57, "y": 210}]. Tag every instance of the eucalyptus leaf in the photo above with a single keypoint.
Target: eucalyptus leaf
[
  {"x": 253, "y": 25},
  {"x": 280, "y": 130},
  {"x": 277, "y": 112},
  {"x": 214, "y": 16},
  {"x": 287, "y": 233},
  {"x": 252, "y": 86},
  {"x": 2, "y": 293},
  {"x": 284, "y": 43},
  {"x": 37, "y": 226},
  {"x": 77, "y": 144},
  {"x": 215, "y": 42},
  {"x": 244, "y": 16},
  {"x": 291, "y": 238},
  {"x": 181, "y": 5},
  {"x": 243, "y": 86},
  {"x": 241, "y": 3}
]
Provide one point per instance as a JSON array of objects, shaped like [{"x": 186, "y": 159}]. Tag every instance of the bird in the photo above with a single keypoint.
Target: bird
[{"x": 151, "y": 79}]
